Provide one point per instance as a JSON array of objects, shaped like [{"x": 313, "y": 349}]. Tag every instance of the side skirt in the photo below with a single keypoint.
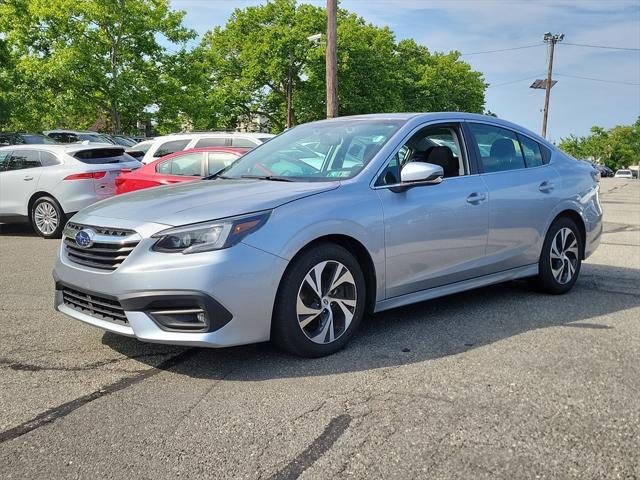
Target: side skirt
[{"x": 422, "y": 295}]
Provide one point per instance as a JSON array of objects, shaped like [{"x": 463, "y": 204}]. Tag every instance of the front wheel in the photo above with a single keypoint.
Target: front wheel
[
  {"x": 320, "y": 302},
  {"x": 561, "y": 258},
  {"x": 47, "y": 217}
]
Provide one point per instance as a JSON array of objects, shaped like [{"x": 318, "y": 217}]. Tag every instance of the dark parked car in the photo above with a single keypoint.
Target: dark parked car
[
  {"x": 75, "y": 136},
  {"x": 17, "y": 138}
]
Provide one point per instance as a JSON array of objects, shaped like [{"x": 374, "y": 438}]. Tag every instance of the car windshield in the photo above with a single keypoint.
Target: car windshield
[{"x": 322, "y": 151}]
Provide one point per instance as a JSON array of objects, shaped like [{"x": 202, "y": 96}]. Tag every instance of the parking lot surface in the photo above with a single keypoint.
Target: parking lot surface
[{"x": 499, "y": 382}]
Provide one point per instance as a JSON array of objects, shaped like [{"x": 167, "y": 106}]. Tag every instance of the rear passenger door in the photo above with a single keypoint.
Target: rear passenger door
[
  {"x": 18, "y": 181},
  {"x": 522, "y": 192}
]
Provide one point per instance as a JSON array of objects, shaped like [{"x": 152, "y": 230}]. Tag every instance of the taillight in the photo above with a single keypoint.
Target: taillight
[
  {"x": 119, "y": 181},
  {"x": 84, "y": 176},
  {"x": 126, "y": 170}
]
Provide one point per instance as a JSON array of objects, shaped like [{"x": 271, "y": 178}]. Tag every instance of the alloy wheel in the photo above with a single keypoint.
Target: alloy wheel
[
  {"x": 46, "y": 218},
  {"x": 564, "y": 255},
  {"x": 326, "y": 302}
]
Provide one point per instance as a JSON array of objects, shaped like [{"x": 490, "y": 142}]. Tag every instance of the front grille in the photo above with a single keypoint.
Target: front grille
[
  {"x": 112, "y": 247},
  {"x": 94, "y": 305}
]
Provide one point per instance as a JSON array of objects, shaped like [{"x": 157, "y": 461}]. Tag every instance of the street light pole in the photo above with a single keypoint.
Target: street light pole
[
  {"x": 551, "y": 40},
  {"x": 332, "y": 60}
]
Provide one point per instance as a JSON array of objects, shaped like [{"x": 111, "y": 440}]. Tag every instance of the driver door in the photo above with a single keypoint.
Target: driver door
[{"x": 435, "y": 234}]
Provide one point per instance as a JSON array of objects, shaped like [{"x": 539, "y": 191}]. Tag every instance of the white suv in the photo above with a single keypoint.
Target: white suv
[
  {"x": 46, "y": 184},
  {"x": 182, "y": 141}
]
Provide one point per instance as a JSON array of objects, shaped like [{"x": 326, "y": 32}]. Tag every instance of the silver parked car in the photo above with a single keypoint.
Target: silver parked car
[
  {"x": 298, "y": 239},
  {"x": 46, "y": 184}
]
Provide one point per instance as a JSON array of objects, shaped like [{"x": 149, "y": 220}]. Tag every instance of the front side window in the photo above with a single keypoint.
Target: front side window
[
  {"x": 172, "y": 146},
  {"x": 4, "y": 160},
  {"x": 22, "y": 159},
  {"x": 499, "y": 148},
  {"x": 531, "y": 151},
  {"x": 439, "y": 145},
  {"x": 321, "y": 151},
  {"x": 188, "y": 165}
]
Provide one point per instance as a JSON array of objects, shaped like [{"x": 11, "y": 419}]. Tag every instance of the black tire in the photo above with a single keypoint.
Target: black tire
[
  {"x": 55, "y": 213},
  {"x": 287, "y": 331},
  {"x": 546, "y": 281}
]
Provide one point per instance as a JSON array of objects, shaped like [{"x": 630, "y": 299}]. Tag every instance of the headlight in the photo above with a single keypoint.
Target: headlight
[{"x": 204, "y": 237}]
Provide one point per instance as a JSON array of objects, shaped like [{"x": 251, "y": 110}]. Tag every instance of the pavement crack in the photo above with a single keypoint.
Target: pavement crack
[{"x": 65, "y": 409}]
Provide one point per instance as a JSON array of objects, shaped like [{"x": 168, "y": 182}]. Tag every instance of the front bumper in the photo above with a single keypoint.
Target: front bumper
[{"x": 237, "y": 287}]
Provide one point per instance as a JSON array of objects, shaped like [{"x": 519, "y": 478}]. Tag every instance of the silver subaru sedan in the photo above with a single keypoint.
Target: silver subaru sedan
[{"x": 297, "y": 241}]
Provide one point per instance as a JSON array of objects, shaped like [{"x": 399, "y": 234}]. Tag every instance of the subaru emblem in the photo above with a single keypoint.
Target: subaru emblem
[{"x": 84, "y": 238}]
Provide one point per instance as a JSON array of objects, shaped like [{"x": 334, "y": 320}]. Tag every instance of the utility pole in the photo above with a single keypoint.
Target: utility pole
[
  {"x": 332, "y": 60},
  {"x": 551, "y": 40}
]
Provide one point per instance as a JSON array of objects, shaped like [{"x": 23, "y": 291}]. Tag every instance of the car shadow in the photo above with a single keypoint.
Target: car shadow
[
  {"x": 17, "y": 230},
  {"x": 421, "y": 332}
]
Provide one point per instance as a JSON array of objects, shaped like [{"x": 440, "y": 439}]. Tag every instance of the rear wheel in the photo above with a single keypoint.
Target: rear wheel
[
  {"x": 47, "y": 217},
  {"x": 561, "y": 258},
  {"x": 320, "y": 302}
]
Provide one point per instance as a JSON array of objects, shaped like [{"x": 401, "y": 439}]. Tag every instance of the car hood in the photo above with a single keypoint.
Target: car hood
[{"x": 202, "y": 200}]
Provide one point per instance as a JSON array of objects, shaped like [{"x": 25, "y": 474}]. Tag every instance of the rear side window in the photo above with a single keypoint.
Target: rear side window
[
  {"x": 22, "y": 159},
  {"x": 242, "y": 142},
  {"x": 97, "y": 156},
  {"x": 212, "y": 142},
  {"x": 187, "y": 165},
  {"x": 37, "y": 139},
  {"x": 531, "y": 151},
  {"x": 499, "y": 148},
  {"x": 172, "y": 146}
]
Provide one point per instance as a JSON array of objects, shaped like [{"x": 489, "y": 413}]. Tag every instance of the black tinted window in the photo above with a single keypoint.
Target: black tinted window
[
  {"x": 96, "y": 156},
  {"x": 36, "y": 138},
  {"x": 499, "y": 148},
  {"x": 531, "y": 151},
  {"x": 212, "y": 142},
  {"x": 21, "y": 159},
  {"x": 64, "y": 137},
  {"x": 169, "y": 147}
]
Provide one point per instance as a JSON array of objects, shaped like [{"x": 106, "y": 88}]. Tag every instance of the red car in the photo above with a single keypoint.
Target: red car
[{"x": 177, "y": 167}]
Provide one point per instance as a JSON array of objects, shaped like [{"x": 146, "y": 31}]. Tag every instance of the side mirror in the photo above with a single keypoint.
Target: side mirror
[{"x": 421, "y": 172}]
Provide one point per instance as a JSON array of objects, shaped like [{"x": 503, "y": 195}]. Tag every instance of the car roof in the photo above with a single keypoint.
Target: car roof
[
  {"x": 178, "y": 136},
  {"x": 69, "y": 148}
]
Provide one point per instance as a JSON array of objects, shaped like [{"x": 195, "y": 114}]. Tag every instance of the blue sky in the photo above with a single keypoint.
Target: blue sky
[{"x": 479, "y": 25}]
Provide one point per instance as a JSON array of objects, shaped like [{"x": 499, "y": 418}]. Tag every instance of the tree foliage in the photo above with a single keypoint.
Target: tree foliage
[
  {"x": 616, "y": 148},
  {"x": 78, "y": 63}
]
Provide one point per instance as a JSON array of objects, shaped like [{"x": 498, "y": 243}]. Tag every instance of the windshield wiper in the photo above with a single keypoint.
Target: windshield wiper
[
  {"x": 267, "y": 177},
  {"x": 216, "y": 175}
]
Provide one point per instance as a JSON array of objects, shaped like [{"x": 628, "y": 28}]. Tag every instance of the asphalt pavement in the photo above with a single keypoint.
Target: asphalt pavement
[{"x": 499, "y": 382}]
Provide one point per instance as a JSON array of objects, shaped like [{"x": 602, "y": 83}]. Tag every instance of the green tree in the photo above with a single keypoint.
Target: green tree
[
  {"x": 80, "y": 61},
  {"x": 617, "y": 147}
]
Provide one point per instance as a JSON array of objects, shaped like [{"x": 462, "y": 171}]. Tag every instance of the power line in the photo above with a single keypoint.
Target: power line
[
  {"x": 598, "y": 79},
  {"x": 514, "y": 81},
  {"x": 603, "y": 46},
  {"x": 501, "y": 50}
]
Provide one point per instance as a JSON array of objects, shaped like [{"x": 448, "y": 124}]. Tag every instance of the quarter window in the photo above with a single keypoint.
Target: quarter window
[
  {"x": 48, "y": 159},
  {"x": 169, "y": 147},
  {"x": 499, "y": 148}
]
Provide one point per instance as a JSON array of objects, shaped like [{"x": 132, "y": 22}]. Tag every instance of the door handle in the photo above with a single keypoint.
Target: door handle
[
  {"x": 475, "y": 198},
  {"x": 27, "y": 178},
  {"x": 546, "y": 186}
]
